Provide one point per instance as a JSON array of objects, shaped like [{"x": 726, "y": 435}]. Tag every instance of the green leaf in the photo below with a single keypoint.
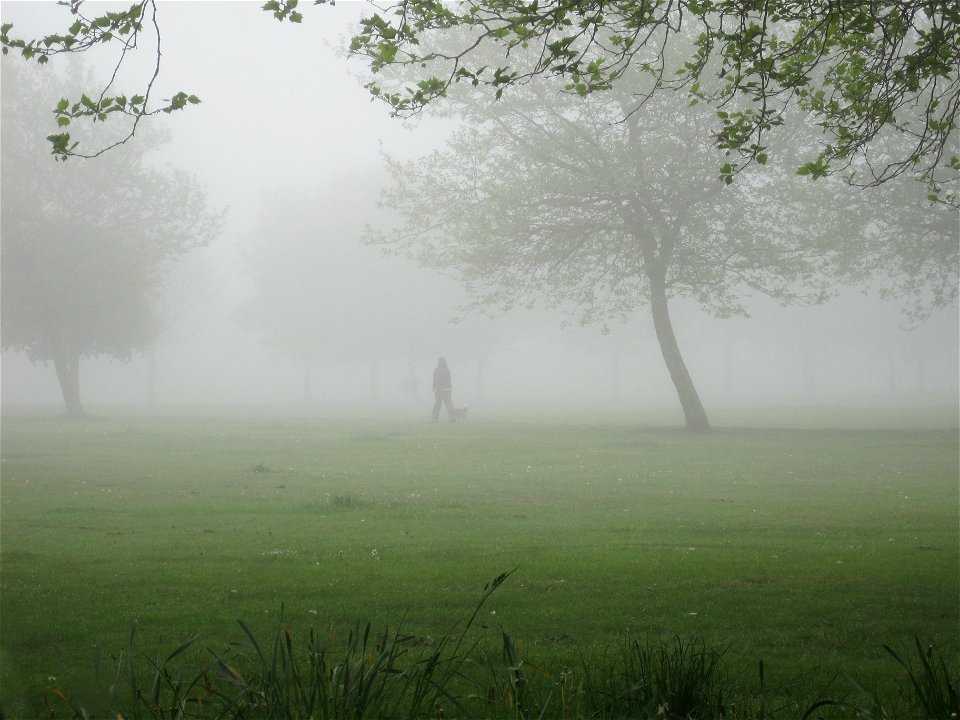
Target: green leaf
[
  {"x": 388, "y": 52},
  {"x": 59, "y": 143}
]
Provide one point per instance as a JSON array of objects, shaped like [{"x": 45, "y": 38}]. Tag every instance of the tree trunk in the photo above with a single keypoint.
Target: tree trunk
[
  {"x": 305, "y": 388},
  {"x": 693, "y": 412},
  {"x": 892, "y": 370},
  {"x": 152, "y": 374},
  {"x": 68, "y": 373},
  {"x": 808, "y": 371},
  {"x": 374, "y": 381}
]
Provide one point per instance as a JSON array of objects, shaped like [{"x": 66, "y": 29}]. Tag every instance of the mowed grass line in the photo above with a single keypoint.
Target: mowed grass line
[{"x": 808, "y": 549}]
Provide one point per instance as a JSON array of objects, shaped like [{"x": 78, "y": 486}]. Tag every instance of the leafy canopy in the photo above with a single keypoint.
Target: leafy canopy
[{"x": 863, "y": 70}]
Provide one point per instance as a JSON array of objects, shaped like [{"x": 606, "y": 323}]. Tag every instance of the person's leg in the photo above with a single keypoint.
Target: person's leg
[
  {"x": 438, "y": 398},
  {"x": 448, "y": 401}
]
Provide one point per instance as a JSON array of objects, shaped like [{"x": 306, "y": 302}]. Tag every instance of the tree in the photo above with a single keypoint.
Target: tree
[
  {"x": 864, "y": 70},
  {"x": 83, "y": 255},
  {"x": 580, "y": 203}
]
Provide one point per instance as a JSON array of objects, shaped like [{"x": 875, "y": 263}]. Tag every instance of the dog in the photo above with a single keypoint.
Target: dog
[{"x": 459, "y": 414}]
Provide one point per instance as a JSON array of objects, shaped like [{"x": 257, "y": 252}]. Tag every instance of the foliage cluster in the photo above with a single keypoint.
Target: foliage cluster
[
  {"x": 123, "y": 27},
  {"x": 863, "y": 70}
]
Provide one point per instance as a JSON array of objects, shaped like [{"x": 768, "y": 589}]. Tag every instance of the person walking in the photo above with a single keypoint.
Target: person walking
[{"x": 442, "y": 390}]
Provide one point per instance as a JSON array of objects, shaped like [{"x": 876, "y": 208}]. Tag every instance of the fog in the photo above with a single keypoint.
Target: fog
[{"x": 284, "y": 118}]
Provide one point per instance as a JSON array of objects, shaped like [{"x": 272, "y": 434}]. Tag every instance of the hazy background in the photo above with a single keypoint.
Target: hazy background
[{"x": 284, "y": 113}]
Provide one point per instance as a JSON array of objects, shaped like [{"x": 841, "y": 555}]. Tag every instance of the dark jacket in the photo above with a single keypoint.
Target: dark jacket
[{"x": 441, "y": 378}]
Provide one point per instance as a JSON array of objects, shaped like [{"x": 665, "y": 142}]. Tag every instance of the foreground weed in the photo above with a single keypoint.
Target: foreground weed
[
  {"x": 372, "y": 677},
  {"x": 391, "y": 675},
  {"x": 936, "y": 687},
  {"x": 160, "y": 693},
  {"x": 357, "y": 684},
  {"x": 513, "y": 689},
  {"x": 367, "y": 680},
  {"x": 933, "y": 692},
  {"x": 677, "y": 679}
]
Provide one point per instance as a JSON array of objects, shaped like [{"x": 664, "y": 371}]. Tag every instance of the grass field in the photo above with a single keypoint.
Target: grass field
[{"x": 808, "y": 549}]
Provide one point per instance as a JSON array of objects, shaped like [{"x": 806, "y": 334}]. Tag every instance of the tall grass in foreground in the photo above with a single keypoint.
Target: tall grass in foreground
[
  {"x": 400, "y": 676},
  {"x": 933, "y": 691}
]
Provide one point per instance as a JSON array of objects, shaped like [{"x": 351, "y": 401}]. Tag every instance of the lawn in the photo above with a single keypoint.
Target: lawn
[{"x": 808, "y": 548}]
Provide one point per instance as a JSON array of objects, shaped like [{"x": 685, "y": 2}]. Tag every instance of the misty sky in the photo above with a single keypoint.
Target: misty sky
[{"x": 284, "y": 111}]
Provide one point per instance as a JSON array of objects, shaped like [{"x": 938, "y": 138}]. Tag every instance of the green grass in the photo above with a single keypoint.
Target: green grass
[{"x": 809, "y": 549}]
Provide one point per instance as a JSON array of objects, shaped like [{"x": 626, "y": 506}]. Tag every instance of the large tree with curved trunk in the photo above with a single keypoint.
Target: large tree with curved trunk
[{"x": 579, "y": 203}]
